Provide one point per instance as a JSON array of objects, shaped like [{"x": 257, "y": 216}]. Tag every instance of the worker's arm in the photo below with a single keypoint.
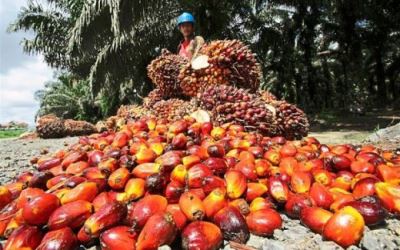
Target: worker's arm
[{"x": 198, "y": 42}]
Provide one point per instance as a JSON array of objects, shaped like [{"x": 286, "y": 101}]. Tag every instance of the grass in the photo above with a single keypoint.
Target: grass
[{"x": 11, "y": 133}]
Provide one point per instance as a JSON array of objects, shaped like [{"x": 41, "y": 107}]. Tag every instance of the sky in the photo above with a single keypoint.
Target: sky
[{"x": 20, "y": 74}]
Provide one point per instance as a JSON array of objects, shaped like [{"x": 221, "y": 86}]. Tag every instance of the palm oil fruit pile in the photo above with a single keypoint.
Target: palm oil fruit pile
[{"x": 191, "y": 185}]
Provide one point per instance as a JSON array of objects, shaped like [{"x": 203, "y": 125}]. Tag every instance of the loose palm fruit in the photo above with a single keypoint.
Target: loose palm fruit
[
  {"x": 38, "y": 210},
  {"x": 62, "y": 238},
  {"x": 315, "y": 218},
  {"x": 236, "y": 184},
  {"x": 24, "y": 237},
  {"x": 232, "y": 224},
  {"x": 119, "y": 237},
  {"x": 201, "y": 235},
  {"x": 85, "y": 191},
  {"x": 71, "y": 215},
  {"x": 144, "y": 209},
  {"x": 192, "y": 206},
  {"x": 215, "y": 201},
  {"x": 263, "y": 222}
]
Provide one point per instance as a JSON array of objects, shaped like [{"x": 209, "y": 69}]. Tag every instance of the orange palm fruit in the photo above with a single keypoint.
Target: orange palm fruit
[
  {"x": 246, "y": 156},
  {"x": 340, "y": 200},
  {"x": 321, "y": 196},
  {"x": 77, "y": 167},
  {"x": 179, "y": 141},
  {"x": 93, "y": 173},
  {"x": 192, "y": 206},
  {"x": 24, "y": 237},
  {"x": 177, "y": 214},
  {"x": 248, "y": 168},
  {"x": 62, "y": 238},
  {"x": 196, "y": 174},
  {"x": 44, "y": 164},
  {"x": 212, "y": 182},
  {"x": 201, "y": 235},
  {"x": 359, "y": 166},
  {"x": 215, "y": 201},
  {"x": 38, "y": 210},
  {"x": 296, "y": 203},
  {"x": 24, "y": 177},
  {"x": 57, "y": 170},
  {"x": 74, "y": 181},
  {"x": 234, "y": 153},
  {"x": 272, "y": 156},
  {"x": 160, "y": 229},
  {"x": 190, "y": 160},
  {"x": 311, "y": 165},
  {"x": 262, "y": 167},
  {"x": 135, "y": 188},
  {"x": 364, "y": 187},
  {"x": 260, "y": 203},
  {"x": 388, "y": 173},
  {"x": 145, "y": 155},
  {"x": 144, "y": 170},
  {"x": 144, "y": 208},
  {"x": 323, "y": 177},
  {"x": 232, "y": 224},
  {"x": 85, "y": 191},
  {"x": 241, "y": 205},
  {"x": 288, "y": 150},
  {"x": 94, "y": 157},
  {"x": 5, "y": 196},
  {"x": 278, "y": 189},
  {"x": 287, "y": 165},
  {"x": 389, "y": 195},
  {"x": 6, "y": 214},
  {"x": 178, "y": 127},
  {"x": 263, "y": 222},
  {"x": 119, "y": 237},
  {"x": 254, "y": 190},
  {"x": 236, "y": 183},
  {"x": 118, "y": 178},
  {"x": 27, "y": 195},
  {"x": 121, "y": 139},
  {"x": 108, "y": 166},
  {"x": 72, "y": 157},
  {"x": 57, "y": 180},
  {"x": 71, "y": 215},
  {"x": 169, "y": 160},
  {"x": 109, "y": 215},
  {"x": 179, "y": 174},
  {"x": 218, "y": 133},
  {"x": 345, "y": 227},
  {"x": 315, "y": 218},
  {"x": 11, "y": 226},
  {"x": 300, "y": 182}
]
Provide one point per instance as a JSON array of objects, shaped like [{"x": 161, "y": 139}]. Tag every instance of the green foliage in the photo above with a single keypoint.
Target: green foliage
[{"x": 11, "y": 133}]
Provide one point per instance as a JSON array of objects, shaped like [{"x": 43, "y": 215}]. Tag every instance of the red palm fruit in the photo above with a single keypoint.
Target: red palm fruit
[
  {"x": 119, "y": 237},
  {"x": 24, "y": 237},
  {"x": 157, "y": 147},
  {"x": 101, "y": 199},
  {"x": 179, "y": 141},
  {"x": 108, "y": 166},
  {"x": 287, "y": 165},
  {"x": 340, "y": 200},
  {"x": 342, "y": 182},
  {"x": 263, "y": 222},
  {"x": 246, "y": 156},
  {"x": 109, "y": 215},
  {"x": 100, "y": 144},
  {"x": 93, "y": 173},
  {"x": 40, "y": 179},
  {"x": 198, "y": 151},
  {"x": 217, "y": 165},
  {"x": 312, "y": 165},
  {"x": 300, "y": 182},
  {"x": 173, "y": 191},
  {"x": 257, "y": 151},
  {"x": 145, "y": 155},
  {"x": 24, "y": 177},
  {"x": 118, "y": 178},
  {"x": 272, "y": 156},
  {"x": 232, "y": 224},
  {"x": 196, "y": 174},
  {"x": 146, "y": 169},
  {"x": 288, "y": 150},
  {"x": 12, "y": 225},
  {"x": 56, "y": 180},
  {"x": 48, "y": 163},
  {"x": 260, "y": 203},
  {"x": 321, "y": 196},
  {"x": 74, "y": 181},
  {"x": 247, "y": 168},
  {"x": 27, "y": 195},
  {"x": 323, "y": 177},
  {"x": 201, "y": 235},
  {"x": 198, "y": 192},
  {"x": 218, "y": 133},
  {"x": 278, "y": 140},
  {"x": 388, "y": 173},
  {"x": 241, "y": 205},
  {"x": 38, "y": 210},
  {"x": 206, "y": 128},
  {"x": 144, "y": 208},
  {"x": 315, "y": 218},
  {"x": 216, "y": 150},
  {"x": 94, "y": 157},
  {"x": 121, "y": 139},
  {"x": 233, "y": 153},
  {"x": 6, "y": 214},
  {"x": 212, "y": 182},
  {"x": 345, "y": 227},
  {"x": 190, "y": 160},
  {"x": 77, "y": 167},
  {"x": 72, "y": 157},
  {"x": 215, "y": 201},
  {"x": 361, "y": 176},
  {"x": 62, "y": 238},
  {"x": 296, "y": 203},
  {"x": 262, "y": 167},
  {"x": 169, "y": 160},
  {"x": 179, "y": 174},
  {"x": 340, "y": 149},
  {"x": 178, "y": 216},
  {"x": 370, "y": 209},
  {"x": 160, "y": 229},
  {"x": 341, "y": 162},
  {"x": 364, "y": 187},
  {"x": 178, "y": 127},
  {"x": 15, "y": 188},
  {"x": 135, "y": 188},
  {"x": 359, "y": 166},
  {"x": 85, "y": 191},
  {"x": 236, "y": 183},
  {"x": 389, "y": 195},
  {"x": 192, "y": 206},
  {"x": 71, "y": 215},
  {"x": 84, "y": 238},
  {"x": 5, "y": 196},
  {"x": 278, "y": 189},
  {"x": 254, "y": 190},
  {"x": 57, "y": 170}
]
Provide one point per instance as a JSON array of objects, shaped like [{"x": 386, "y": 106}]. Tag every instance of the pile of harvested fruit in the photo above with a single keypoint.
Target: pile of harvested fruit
[{"x": 193, "y": 185}]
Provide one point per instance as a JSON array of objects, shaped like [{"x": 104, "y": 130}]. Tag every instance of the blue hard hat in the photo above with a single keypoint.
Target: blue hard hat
[{"x": 185, "y": 17}]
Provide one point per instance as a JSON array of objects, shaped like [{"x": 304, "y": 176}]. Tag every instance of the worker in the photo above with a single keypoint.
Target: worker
[{"x": 191, "y": 44}]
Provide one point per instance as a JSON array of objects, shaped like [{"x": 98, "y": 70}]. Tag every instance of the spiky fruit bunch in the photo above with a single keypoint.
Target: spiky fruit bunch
[
  {"x": 50, "y": 126},
  {"x": 229, "y": 62},
  {"x": 174, "y": 109},
  {"x": 154, "y": 96},
  {"x": 292, "y": 122},
  {"x": 163, "y": 72},
  {"x": 230, "y": 104},
  {"x": 133, "y": 112},
  {"x": 267, "y": 96},
  {"x": 77, "y": 128}
]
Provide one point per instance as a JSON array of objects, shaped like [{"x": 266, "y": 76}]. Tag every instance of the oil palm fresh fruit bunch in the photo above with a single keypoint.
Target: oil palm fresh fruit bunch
[
  {"x": 154, "y": 96},
  {"x": 50, "y": 126},
  {"x": 174, "y": 109}
]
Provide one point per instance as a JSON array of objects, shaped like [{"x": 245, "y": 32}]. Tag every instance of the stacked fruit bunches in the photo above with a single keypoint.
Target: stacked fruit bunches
[
  {"x": 174, "y": 109},
  {"x": 193, "y": 185},
  {"x": 230, "y": 104},
  {"x": 78, "y": 128},
  {"x": 164, "y": 71},
  {"x": 152, "y": 98},
  {"x": 230, "y": 63},
  {"x": 50, "y": 126}
]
